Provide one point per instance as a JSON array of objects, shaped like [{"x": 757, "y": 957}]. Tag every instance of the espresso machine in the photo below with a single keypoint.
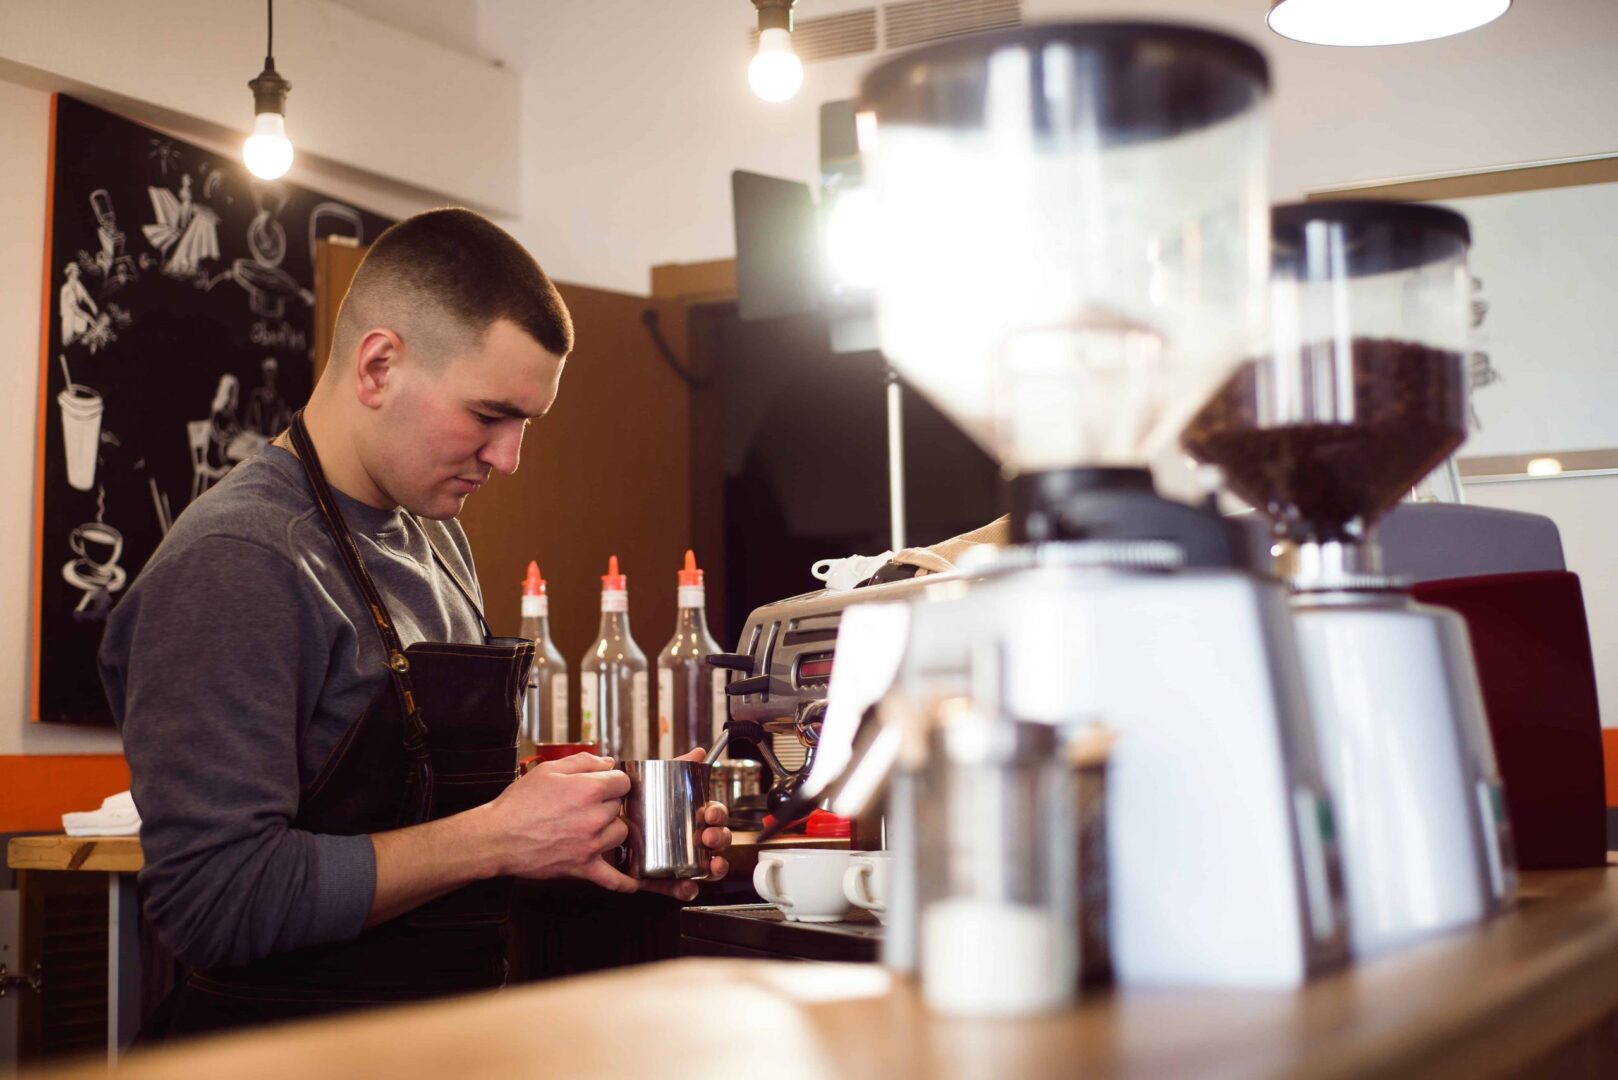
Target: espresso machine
[
  {"x": 1072, "y": 245},
  {"x": 777, "y": 693},
  {"x": 1362, "y": 392}
]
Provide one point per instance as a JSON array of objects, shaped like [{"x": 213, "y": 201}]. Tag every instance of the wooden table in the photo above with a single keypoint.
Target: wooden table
[
  {"x": 120, "y": 858},
  {"x": 1540, "y": 981}
]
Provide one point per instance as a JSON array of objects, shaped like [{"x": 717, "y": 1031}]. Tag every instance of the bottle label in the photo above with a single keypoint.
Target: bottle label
[
  {"x": 691, "y": 596},
  {"x": 665, "y": 713},
  {"x": 721, "y": 703},
  {"x": 587, "y": 709},
  {"x": 535, "y": 607},
  {"x": 614, "y": 600},
  {"x": 558, "y": 732},
  {"x": 639, "y": 716}
]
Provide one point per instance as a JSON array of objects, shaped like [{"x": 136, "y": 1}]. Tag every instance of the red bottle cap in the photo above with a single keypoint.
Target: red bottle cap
[
  {"x": 690, "y": 577},
  {"x": 533, "y": 584},
  {"x": 612, "y": 580}
]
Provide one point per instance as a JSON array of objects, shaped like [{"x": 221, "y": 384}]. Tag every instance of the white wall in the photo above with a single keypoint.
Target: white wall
[
  {"x": 636, "y": 111},
  {"x": 364, "y": 94},
  {"x": 634, "y": 114}
]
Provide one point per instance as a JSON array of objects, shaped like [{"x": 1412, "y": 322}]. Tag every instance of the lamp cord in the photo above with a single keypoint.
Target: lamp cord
[
  {"x": 269, "y": 43},
  {"x": 654, "y": 329}
]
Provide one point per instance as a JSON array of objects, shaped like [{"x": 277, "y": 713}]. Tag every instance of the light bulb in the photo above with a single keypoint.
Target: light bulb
[
  {"x": 775, "y": 72},
  {"x": 1380, "y": 22},
  {"x": 268, "y": 151}
]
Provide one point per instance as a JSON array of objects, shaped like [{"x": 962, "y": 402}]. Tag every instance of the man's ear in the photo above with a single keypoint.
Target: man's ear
[{"x": 374, "y": 361}]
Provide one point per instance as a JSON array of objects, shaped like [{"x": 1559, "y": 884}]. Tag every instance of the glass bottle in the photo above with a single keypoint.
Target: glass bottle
[
  {"x": 690, "y": 692},
  {"x": 544, "y": 701},
  {"x": 613, "y": 691}
]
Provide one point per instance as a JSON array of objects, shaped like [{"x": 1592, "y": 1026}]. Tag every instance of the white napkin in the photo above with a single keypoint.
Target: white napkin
[
  {"x": 840, "y": 575},
  {"x": 117, "y": 817}
]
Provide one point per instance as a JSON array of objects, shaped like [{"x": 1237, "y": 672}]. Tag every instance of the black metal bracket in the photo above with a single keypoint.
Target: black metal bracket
[{"x": 34, "y": 980}]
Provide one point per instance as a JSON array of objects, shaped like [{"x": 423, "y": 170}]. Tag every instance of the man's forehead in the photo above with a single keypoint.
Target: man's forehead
[{"x": 511, "y": 374}]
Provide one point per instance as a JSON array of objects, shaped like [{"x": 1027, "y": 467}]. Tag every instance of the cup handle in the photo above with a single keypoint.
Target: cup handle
[
  {"x": 854, "y": 890},
  {"x": 763, "y": 876}
]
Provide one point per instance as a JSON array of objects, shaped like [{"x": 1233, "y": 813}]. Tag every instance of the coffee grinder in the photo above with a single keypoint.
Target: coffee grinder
[
  {"x": 1071, "y": 235},
  {"x": 1362, "y": 392}
]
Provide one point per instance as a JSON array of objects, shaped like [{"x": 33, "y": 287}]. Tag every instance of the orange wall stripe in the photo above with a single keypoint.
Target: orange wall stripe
[
  {"x": 39, "y": 788},
  {"x": 1609, "y": 758},
  {"x": 39, "y": 433}
]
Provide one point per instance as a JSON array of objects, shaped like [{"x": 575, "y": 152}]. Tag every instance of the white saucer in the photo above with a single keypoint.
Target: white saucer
[{"x": 84, "y": 574}]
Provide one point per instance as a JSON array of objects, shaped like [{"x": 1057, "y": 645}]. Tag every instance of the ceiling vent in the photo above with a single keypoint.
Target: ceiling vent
[
  {"x": 848, "y": 33},
  {"x": 916, "y": 21},
  {"x": 912, "y": 22}
]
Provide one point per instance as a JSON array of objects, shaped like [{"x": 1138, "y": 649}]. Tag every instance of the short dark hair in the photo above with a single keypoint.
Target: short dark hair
[{"x": 459, "y": 266}]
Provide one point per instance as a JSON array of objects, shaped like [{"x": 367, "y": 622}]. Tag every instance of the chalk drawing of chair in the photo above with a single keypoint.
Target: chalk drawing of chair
[{"x": 203, "y": 475}]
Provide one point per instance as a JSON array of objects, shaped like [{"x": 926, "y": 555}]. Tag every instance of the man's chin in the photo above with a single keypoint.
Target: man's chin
[{"x": 441, "y": 507}]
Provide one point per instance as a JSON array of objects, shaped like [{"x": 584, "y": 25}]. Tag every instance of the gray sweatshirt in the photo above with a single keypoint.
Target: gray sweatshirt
[{"x": 235, "y": 663}]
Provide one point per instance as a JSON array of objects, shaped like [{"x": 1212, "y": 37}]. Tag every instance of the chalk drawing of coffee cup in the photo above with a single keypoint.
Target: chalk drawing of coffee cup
[
  {"x": 81, "y": 433},
  {"x": 99, "y": 545},
  {"x": 95, "y": 570}
]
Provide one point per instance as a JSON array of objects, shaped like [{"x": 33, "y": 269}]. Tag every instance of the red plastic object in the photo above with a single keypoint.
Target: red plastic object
[
  {"x": 824, "y": 823},
  {"x": 1532, "y": 647},
  {"x": 533, "y": 584},
  {"x": 612, "y": 580},
  {"x": 690, "y": 577}
]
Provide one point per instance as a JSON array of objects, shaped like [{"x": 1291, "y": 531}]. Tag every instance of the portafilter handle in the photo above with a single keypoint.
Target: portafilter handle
[{"x": 751, "y": 731}]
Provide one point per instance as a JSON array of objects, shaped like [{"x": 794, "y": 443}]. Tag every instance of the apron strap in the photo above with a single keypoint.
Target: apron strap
[{"x": 419, "y": 798}]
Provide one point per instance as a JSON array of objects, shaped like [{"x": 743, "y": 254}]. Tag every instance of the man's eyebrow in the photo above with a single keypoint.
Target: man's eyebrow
[{"x": 506, "y": 409}]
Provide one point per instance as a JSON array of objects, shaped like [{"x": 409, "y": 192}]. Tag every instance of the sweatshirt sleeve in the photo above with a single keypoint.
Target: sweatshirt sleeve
[{"x": 211, "y": 663}]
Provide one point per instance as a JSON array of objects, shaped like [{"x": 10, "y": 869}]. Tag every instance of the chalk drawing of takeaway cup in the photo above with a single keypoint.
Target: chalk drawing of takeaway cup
[{"x": 81, "y": 433}]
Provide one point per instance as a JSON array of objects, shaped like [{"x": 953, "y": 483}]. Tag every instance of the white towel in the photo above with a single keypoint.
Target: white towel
[{"x": 117, "y": 817}]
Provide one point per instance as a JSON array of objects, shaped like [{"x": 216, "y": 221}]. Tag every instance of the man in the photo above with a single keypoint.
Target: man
[{"x": 320, "y": 730}]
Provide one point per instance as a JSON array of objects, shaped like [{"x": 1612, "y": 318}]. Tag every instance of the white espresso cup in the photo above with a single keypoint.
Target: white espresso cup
[
  {"x": 867, "y": 882},
  {"x": 806, "y": 885}
]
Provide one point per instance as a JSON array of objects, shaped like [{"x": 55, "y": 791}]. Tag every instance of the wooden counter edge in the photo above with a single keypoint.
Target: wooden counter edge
[{"x": 104, "y": 854}]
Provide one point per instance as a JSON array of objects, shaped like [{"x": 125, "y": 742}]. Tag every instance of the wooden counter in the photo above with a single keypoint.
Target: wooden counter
[
  {"x": 122, "y": 854},
  {"x": 1542, "y": 981},
  {"x": 110, "y": 854}
]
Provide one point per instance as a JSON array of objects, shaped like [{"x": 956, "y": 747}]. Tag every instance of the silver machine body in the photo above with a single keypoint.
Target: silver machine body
[
  {"x": 1221, "y": 858},
  {"x": 1425, "y": 838}
]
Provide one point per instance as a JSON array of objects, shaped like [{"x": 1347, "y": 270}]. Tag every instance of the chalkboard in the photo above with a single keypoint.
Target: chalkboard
[{"x": 179, "y": 295}]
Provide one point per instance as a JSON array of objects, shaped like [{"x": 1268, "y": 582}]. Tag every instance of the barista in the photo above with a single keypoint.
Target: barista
[{"x": 320, "y": 727}]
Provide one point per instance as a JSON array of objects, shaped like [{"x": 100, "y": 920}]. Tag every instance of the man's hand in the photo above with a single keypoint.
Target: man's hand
[
  {"x": 553, "y": 844},
  {"x": 558, "y": 819}
]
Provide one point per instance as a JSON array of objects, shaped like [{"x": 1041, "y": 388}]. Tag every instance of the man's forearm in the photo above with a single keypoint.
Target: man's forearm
[{"x": 423, "y": 862}]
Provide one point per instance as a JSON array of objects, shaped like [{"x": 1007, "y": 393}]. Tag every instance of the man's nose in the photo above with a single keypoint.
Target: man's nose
[{"x": 502, "y": 452}]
